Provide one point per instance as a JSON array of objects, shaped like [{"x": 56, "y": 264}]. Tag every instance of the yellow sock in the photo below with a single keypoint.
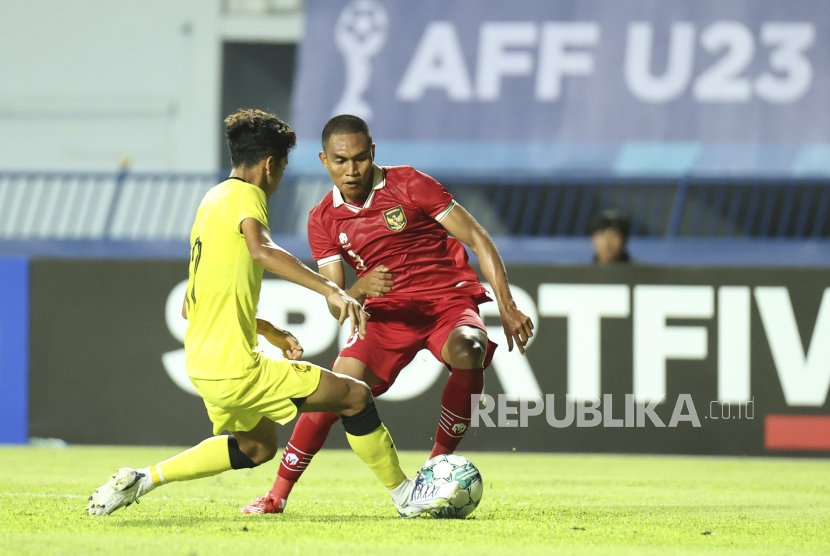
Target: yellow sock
[
  {"x": 211, "y": 457},
  {"x": 378, "y": 452}
]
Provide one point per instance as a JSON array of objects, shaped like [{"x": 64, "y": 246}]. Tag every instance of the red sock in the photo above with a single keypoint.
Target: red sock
[
  {"x": 309, "y": 435},
  {"x": 456, "y": 409}
]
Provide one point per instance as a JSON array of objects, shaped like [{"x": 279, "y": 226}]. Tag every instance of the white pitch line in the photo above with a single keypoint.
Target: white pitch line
[{"x": 41, "y": 494}]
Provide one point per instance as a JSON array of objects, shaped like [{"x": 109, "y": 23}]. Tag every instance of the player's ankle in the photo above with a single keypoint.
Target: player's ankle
[
  {"x": 400, "y": 494},
  {"x": 439, "y": 449},
  {"x": 147, "y": 482},
  {"x": 282, "y": 488}
]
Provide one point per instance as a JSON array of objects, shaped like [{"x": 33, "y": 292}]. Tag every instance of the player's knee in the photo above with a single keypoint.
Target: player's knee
[
  {"x": 248, "y": 454},
  {"x": 264, "y": 453},
  {"x": 359, "y": 397},
  {"x": 469, "y": 352},
  {"x": 477, "y": 351}
]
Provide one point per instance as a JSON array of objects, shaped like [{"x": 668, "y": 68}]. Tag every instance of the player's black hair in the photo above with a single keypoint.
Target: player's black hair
[
  {"x": 254, "y": 135},
  {"x": 343, "y": 125},
  {"x": 609, "y": 219}
]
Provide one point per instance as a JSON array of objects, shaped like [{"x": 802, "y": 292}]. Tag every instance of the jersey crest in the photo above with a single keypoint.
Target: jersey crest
[
  {"x": 395, "y": 218},
  {"x": 301, "y": 367}
]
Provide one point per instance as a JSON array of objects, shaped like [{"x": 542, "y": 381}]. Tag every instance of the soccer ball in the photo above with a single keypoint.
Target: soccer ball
[{"x": 452, "y": 467}]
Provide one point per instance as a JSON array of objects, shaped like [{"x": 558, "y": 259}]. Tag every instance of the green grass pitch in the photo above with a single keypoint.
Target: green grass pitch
[{"x": 533, "y": 504}]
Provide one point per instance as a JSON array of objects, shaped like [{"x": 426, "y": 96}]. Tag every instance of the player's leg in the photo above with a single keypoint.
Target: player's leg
[
  {"x": 464, "y": 351},
  {"x": 459, "y": 339},
  {"x": 371, "y": 441},
  {"x": 242, "y": 450},
  {"x": 342, "y": 390},
  {"x": 313, "y": 426},
  {"x": 367, "y": 435},
  {"x": 309, "y": 435},
  {"x": 246, "y": 449},
  {"x": 465, "y": 348},
  {"x": 248, "y": 406},
  {"x": 375, "y": 360},
  {"x": 256, "y": 446}
]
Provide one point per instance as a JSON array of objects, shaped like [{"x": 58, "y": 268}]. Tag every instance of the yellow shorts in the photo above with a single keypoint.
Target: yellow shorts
[{"x": 238, "y": 404}]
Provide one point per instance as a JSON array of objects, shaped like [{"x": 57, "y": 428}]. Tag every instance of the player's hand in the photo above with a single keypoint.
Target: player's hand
[
  {"x": 285, "y": 340},
  {"x": 517, "y": 326},
  {"x": 351, "y": 309},
  {"x": 376, "y": 283}
]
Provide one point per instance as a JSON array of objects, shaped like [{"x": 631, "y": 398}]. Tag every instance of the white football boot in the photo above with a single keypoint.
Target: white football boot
[
  {"x": 416, "y": 496},
  {"x": 123, "y": 488}
]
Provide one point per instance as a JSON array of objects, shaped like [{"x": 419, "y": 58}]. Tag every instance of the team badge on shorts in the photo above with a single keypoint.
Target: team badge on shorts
[
  {"x": 395, "y": 218},
  {"x": 301, "y": 367}
]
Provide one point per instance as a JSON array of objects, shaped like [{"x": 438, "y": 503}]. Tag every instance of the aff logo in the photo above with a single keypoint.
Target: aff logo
[
  {"x": 360, "y": 34},
  {"x": 544, "y": 54}
]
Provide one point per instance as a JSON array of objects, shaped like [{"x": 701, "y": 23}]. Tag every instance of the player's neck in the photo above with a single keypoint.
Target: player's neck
[
  {"x": 355, "y": 197},
  {"x": 359, "y": 200},
  {"x": 251, "y": 175}
]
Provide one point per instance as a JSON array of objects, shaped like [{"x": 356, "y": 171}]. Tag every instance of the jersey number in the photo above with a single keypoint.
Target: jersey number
[
  {"x": 195, "y": 257},
  {"x": 359, "y": 264}
]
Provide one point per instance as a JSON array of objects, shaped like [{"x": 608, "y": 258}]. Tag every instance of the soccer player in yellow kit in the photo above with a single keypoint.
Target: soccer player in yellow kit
[{"x": 244, "y": 391}]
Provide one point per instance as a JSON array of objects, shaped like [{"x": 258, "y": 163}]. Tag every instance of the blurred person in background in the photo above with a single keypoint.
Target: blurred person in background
[{"x": 609, "y": 236}]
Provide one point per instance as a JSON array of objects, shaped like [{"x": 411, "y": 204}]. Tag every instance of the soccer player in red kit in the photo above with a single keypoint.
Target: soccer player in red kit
[{"x": 393, "y": 226}]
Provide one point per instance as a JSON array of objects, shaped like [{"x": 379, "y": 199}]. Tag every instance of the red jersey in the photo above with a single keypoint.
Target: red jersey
[{"x": 397, "y": 226}]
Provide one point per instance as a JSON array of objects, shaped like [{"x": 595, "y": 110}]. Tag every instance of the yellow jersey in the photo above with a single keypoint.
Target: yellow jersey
[{"x": 224, "y": 284}]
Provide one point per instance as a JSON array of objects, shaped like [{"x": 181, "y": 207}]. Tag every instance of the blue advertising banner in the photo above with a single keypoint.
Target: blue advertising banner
[
  {"x": 14, "y": 350},
  {"x": 628, "y": 86}
]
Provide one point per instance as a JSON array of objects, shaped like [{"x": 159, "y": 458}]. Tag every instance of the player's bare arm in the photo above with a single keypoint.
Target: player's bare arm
[
  {"x": 462, "y": 225},
  {"x": 285, "y": 265},
  {"x": 283, "y": 339},
  {"x": 334, "y": 272}
]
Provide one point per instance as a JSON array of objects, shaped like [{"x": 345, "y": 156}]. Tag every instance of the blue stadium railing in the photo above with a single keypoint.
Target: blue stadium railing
[
  {"x": 161, "y": 207},
  {"x": 688, "y": 207}
]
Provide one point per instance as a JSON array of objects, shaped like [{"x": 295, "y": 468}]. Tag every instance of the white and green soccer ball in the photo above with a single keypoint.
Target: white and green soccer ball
[{"x": 453, "y": 467}]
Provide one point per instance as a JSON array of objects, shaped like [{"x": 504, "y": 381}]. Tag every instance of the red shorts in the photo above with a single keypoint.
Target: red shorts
[{"x": 399, "y": 329}]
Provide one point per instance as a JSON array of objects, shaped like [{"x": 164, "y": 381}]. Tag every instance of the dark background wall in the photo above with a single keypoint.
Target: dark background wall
[
  {"x": 98, "y": 333},
  {"x": 256, "y": 76}
]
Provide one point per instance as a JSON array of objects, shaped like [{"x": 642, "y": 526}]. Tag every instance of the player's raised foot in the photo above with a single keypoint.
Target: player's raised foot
[
  {"x": 421, "y": 496},
  {"x": 266, "y": 504},
  {"x": 123, "y": 488}
]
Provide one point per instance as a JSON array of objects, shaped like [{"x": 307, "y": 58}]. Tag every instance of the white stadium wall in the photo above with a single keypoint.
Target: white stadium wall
[{"x": 88, "y": 85}]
